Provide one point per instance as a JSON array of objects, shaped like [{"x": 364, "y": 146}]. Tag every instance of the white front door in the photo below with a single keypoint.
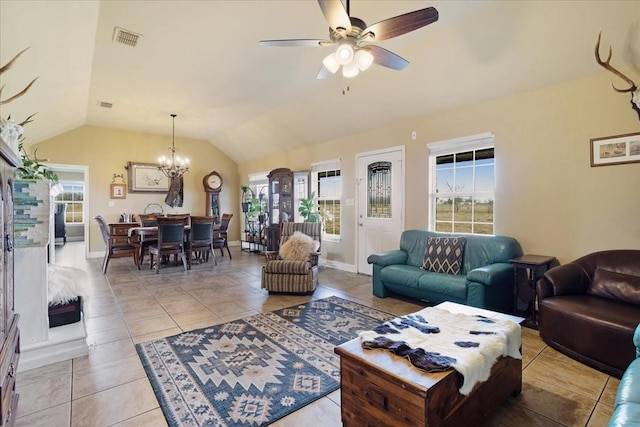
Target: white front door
[{"x": 380, "y": 219}]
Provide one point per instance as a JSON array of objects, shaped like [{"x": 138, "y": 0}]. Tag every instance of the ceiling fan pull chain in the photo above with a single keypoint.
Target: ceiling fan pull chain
[{"x": 345, "y": 86}]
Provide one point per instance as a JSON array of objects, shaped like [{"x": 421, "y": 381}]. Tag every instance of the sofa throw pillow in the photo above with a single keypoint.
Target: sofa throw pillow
[
  {"x": 615, "y": 285},
  {"x": 444, "y": 255},
  {"x": 297, "y": 247}
]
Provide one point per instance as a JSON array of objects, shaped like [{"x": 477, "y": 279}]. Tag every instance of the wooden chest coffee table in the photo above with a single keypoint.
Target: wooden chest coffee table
[{"x": 379, "y": 388}]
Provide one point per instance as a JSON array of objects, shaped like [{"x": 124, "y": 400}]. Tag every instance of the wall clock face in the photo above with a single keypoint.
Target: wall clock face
[{"x": 213, "y": 181}]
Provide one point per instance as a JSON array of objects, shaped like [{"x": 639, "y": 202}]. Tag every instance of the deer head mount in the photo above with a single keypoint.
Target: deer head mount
[{"x": 635, "y": 92}]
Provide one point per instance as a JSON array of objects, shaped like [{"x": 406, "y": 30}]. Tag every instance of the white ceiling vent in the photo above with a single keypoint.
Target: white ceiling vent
[
  {"x": 127, "y": 37},
  {"x": 105, "y": 104}
]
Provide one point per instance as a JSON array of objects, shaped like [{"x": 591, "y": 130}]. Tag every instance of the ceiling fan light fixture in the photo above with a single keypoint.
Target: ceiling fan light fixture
[
  {"x": 364, "y": 59},
  {"x": 331, "y": 63},
  {"x": 344, "y": 54},
  {"x": 350, "y": 70}
]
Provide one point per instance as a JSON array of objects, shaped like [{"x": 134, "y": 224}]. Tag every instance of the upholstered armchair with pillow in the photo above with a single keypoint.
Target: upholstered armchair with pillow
[{"x": 294, "y": 268}]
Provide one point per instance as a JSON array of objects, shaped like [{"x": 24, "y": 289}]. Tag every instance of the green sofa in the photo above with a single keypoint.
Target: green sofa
[{"x": 485, "y": 281}]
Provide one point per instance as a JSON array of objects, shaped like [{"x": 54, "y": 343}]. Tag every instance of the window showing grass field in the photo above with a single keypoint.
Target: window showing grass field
[
  {"x": 464, "y": 216},
  {"x": 462, "y": 195},
  {"x": 73, "y": 199}
]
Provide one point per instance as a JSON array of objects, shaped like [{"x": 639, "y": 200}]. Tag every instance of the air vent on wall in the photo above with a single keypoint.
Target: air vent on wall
[
  {"x": 127, "y": 37},
  {"x": 105, "y": 104}
]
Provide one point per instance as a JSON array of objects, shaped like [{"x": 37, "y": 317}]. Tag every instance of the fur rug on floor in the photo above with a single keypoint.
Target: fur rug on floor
[{"x": 65, "y": 284}]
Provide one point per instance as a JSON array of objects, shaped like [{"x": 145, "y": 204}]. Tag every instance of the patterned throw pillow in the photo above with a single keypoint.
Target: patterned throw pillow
[{"x": 444, "y": 255}]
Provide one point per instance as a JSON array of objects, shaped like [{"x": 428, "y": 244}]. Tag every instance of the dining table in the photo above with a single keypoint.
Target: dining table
[{"x": 138, "y": 235}]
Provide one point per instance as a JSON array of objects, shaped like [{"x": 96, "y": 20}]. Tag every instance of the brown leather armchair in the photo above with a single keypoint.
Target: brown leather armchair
[{"x": 590, "y": 307}]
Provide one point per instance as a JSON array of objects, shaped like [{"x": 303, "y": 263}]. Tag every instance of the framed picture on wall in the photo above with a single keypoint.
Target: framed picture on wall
[
  {"x": 118, "y": 191},
  {"x": 146, "y": 178},
  {"x": 615, "y": 150}
]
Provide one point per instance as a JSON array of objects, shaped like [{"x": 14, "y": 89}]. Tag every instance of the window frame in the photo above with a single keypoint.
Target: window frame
[
  {"x": 323, "y": 167},
  {"x": 82, "y": 202},
  {"x": 456, "y": 146}
]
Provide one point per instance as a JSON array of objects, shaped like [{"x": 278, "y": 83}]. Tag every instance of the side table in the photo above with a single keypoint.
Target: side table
[{"x": 534, "y": 266}]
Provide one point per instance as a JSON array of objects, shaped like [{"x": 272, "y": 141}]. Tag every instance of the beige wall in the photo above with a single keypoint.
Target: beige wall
[
  {"x": 548, "y": 197},
  {"x": 107, "y": 151}
]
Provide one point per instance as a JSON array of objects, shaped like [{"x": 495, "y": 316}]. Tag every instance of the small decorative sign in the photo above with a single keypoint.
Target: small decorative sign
[
  {"x": 615, "y": 150},
  {"x": 118, "y": 191}
]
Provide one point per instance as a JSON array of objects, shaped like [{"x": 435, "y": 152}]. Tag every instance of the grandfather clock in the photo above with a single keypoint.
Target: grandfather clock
[{"x": 212, "y": 183}]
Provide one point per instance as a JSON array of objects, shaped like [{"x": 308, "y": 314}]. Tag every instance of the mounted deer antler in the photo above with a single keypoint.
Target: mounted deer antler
[
  {"x": 635, "y": 92},
  {"x": 6, "y": 68}
]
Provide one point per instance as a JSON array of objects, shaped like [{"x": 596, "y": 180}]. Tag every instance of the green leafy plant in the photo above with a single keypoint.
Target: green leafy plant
[
  {"x": 308, "y": 209},
  {"x": 32, "y": 168},
  {"x": 251, "y": 205}
]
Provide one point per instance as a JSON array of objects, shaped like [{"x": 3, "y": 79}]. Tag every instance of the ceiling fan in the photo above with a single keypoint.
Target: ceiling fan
[{"x": 351, "y": 35}]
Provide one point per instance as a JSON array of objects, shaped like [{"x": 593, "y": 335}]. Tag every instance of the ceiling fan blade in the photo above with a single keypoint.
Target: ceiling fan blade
[
  {"x": 401, "y": 24},
  {"x": 335, "y": 14},
  {"x": 324, "y": 73},
  {"x": 296, "y": 43},
  {"x": 386, "y": 58}
]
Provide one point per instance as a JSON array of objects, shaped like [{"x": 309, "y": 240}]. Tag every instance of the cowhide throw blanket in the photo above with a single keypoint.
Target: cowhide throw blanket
[{"x": 434, "y": 340}]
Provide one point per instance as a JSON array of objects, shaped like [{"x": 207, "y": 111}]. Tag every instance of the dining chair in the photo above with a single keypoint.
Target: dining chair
[
  {"x": 201, "y": 241},
  {"x": 116, "y": 240},
  {"x": 170, "y": 242},
  {"x": 220, "y": 235},
  {"x": 147, "y": 220},
  {"x": 186, "y": 216}
]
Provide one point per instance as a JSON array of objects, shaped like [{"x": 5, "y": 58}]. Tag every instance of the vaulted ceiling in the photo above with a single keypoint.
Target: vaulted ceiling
[{"x": 202, "y": 61}]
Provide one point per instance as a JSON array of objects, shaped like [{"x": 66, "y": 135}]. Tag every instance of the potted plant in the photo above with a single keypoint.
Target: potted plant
[
  {"x": 32, "y": 169},
  {"x": 308, "y": 209},
  {"x": 247, "y": 196}
]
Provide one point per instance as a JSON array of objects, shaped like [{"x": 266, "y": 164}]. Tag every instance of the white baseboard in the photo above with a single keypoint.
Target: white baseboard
[
  {"x": 64, "y": 343},
  {"x": 351, "y": 268}
]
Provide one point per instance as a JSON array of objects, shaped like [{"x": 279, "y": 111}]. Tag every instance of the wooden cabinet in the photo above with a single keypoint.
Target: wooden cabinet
[
  {"x": 286, "y": 188},
  {"x": 9, "y": 333}
]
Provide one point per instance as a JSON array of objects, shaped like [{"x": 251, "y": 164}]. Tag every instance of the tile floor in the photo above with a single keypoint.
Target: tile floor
[{"x": 109, "y": 386}]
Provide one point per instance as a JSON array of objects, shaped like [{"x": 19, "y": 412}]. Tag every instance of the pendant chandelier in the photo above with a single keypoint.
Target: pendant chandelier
[{"x": 175, "y": 166}]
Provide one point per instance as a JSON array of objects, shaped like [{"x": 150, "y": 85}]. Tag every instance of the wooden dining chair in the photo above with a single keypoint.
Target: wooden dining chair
[
  {"x": 116, "y": 240},
  {"x": 147, "y": 220},
  {"x": 220, "y": 235},
  {"x": 201, "y": 241},
  {"x": 170, "y": 242},
  {"x": 186, "y": 217}
]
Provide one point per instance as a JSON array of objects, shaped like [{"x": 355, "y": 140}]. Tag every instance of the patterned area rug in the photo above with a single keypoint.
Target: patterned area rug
[{"x": 256, "y": 370}]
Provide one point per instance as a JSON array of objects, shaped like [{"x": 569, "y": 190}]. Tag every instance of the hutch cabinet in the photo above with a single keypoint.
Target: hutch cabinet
[
  {"x": 286, "y": 188},
  {"x": 9, "y": 333}
]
